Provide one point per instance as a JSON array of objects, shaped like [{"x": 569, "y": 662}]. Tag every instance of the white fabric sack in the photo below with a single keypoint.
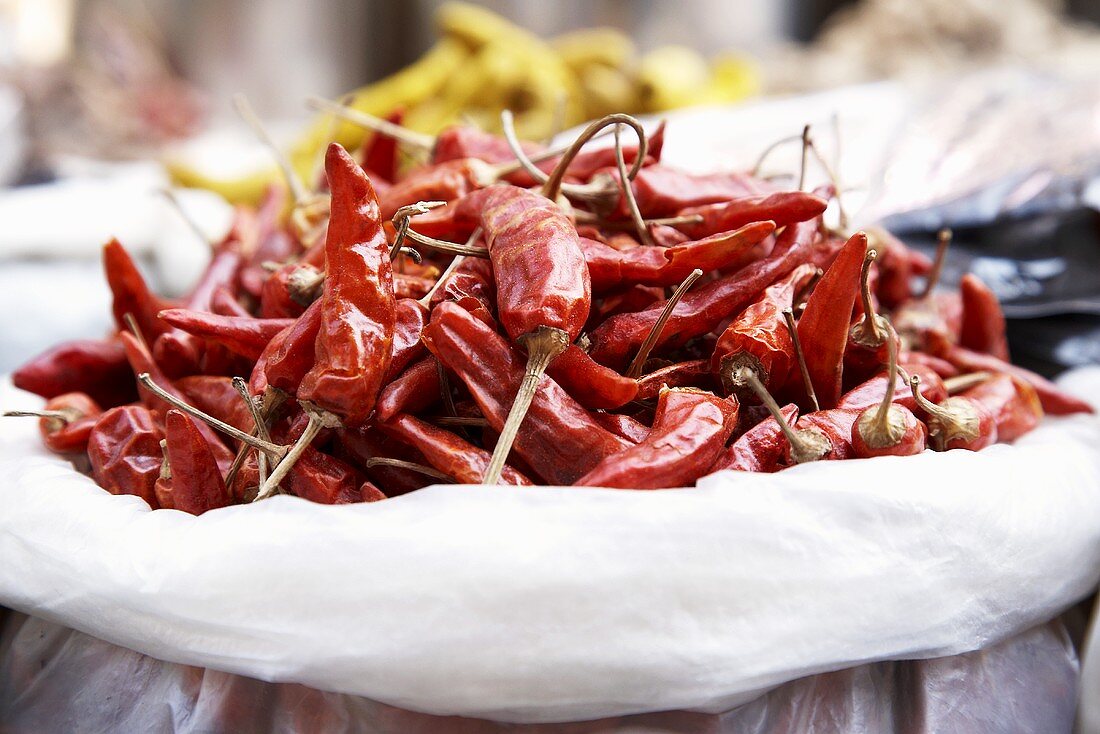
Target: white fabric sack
[{"x": 554, "y": 604}]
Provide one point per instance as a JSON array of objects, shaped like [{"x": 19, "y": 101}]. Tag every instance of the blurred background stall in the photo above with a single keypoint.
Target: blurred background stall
[{"x": 971, "y": 112}]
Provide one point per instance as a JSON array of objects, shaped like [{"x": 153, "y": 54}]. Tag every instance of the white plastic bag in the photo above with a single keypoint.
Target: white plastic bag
[
  {"x": 549, "y": 604},
  {"x": 56, "y": 679}
]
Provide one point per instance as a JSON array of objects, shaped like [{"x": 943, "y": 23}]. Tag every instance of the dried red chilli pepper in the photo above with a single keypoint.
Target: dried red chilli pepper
[
  {"x": 543, "y": 288},
  {"x": 957, "y": 422},
  {"x": 447, "y": 452},
  {"x": 361, "y": 444},
  {"x": 897, "y": 266},
  {"x": 983, "y": 321},
  {"x": 142, "y": 363},
  {"x": 124, "y": 451},
  {"x": 368, "y": 492},
  {"x": 689, "y": 430},
  {"x": 355, "y": 339},
  {"x": 783, "y": 208},
  {"x": 824, "y": 325},
  {"x": 663, "y": 192},
  {"x": 414, "y": 390},
  {"x": 759, "y": 338},
  {"x": 667, "y": 266},
  {"x": 1053, "y": 400},
  {"x": 870, "y": 392},
  {"x": 224, "y": 303},
  {"x": 191, "y": 481},
  {"x": 632, "y": 299},
  {"x": 889, "y": 429},
  {"x": 409, "y": 319},
  {"x": 820, "y": 435},
  {"x": 1013, "y": 402},
  {"x": 378, "y": 155},
  {"x": 243, "y": 335},
  {"x": 589, "y": 382},
  {"x": 623, "y": 426},
  {"x": 65, "y": 422},
  {"x": 273, "y": 243},
  {"x": 97, "y": 367},
  {"x": 690, "y": 373},
  {"x": 868, "y": 346},
  {"x": 702, "y": 310},
  {"x": 941, "y": 367},
  {"x": 289, "y": 355},
  {"x": 558, "y": 439},
  {"x": 759, "y": 449},
  {"x": 130, "y": 293},
  {"x": 280, "y": 296}
]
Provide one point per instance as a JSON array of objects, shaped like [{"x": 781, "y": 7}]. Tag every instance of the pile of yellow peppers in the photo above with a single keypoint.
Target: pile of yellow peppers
[{"x": 483, "y": 64}]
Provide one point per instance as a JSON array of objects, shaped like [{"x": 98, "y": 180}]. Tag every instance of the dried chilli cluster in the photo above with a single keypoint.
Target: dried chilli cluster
[{"x": 516, "y": 315}]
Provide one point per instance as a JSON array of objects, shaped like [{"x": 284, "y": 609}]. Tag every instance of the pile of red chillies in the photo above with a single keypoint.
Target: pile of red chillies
[{"x": 670, "y": 325}]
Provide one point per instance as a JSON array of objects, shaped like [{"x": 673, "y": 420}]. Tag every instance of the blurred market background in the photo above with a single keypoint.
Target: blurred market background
[{"x": 979, "y": 114}]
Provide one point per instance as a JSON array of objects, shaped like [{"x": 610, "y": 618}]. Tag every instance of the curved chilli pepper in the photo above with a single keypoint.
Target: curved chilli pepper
[
  {"x": 589, "y": 382},
  {"x": 415, "y": 390},
  {"x": 543, "y": 289},
  {"x": 559, "y": 439},
  {"x": 97, "y": 367},
  {"x": 355, "y": 340},
  {"x": 288, "y": 356},
  {"x": 1053, "y": 400},
  {"x": 704, "y": 308},
  {"x": 668, "y": 266},
  {"x": 409, "y": 319},
  {"x": 869, "y": 393},
  {"x": 957, "y": 422},
  {"x": 1013, "y": 402},
  {"x": 759, "y": 449},
  {"x": 759, "y": 339},
  {"x": 623, "y": 426},
  {"x": 983, "y": 321},
  {"x": 783, "y": 208},
  {"x": 450, "y": 454},
  {"x": 195, "y": 483},
  {"x": 243, "y": 335},
  {"x": 665, "y": 235},
  {"x": 663, "y": 192},
  {"x": 65, "y": 422},
  {"x": 141, "y": 361},
  {"x": 130, "y": 293},
  {"x": 823, "y": 328},
  {"x": 689, "y": 430},
  {"x": 124, "y": 451},
  {"x": 693, "y": 373}
]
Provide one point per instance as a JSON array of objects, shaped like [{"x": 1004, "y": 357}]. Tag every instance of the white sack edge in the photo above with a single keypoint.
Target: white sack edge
[{"x": 547, "y": 604}]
